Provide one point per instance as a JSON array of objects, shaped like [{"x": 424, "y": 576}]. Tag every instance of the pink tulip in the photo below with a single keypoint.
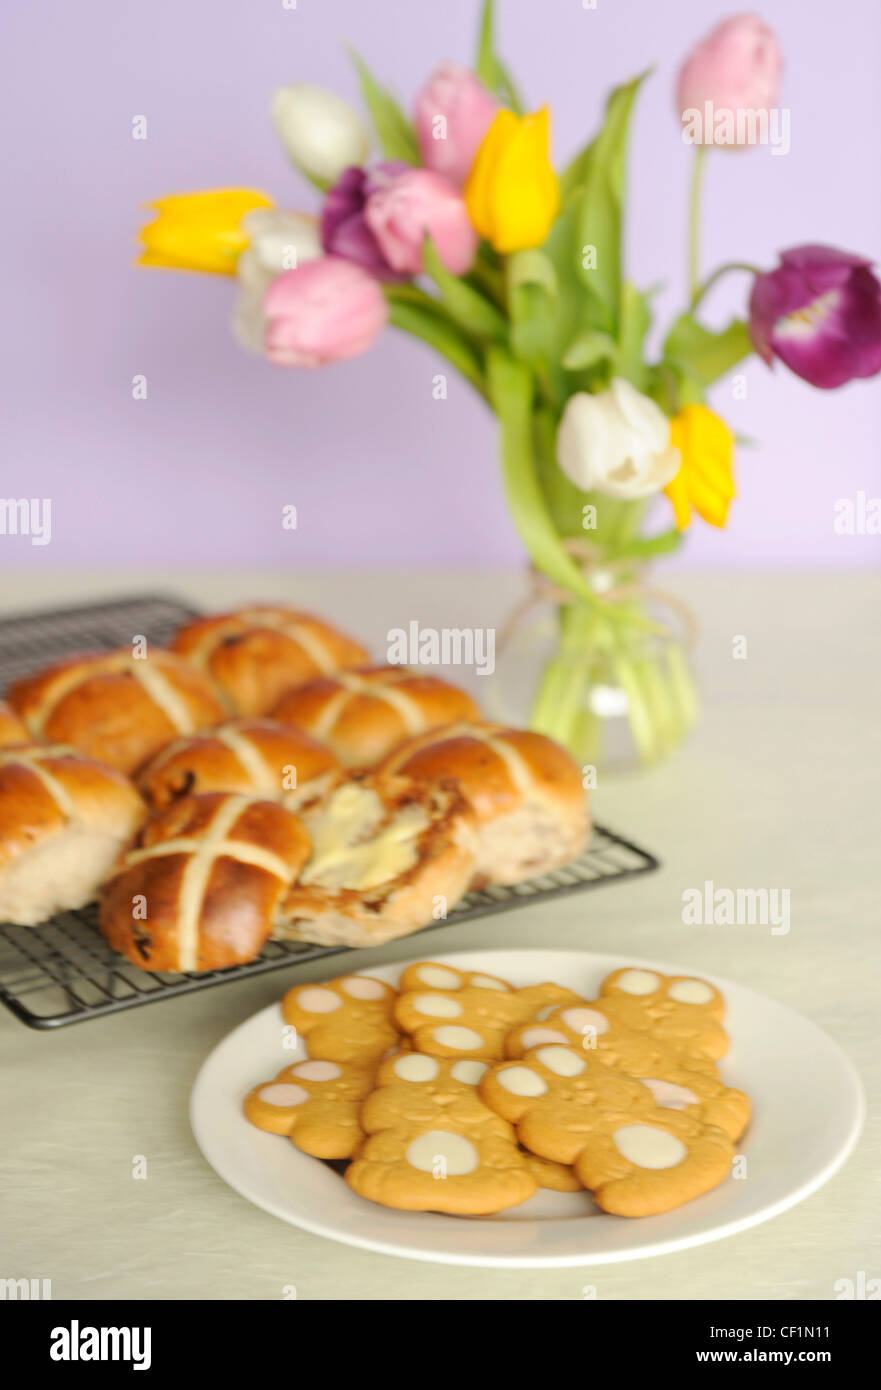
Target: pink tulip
[
  {"x": 734, "y": 69},
  {"x": 414, "y": 205},
  {"x": 453, "y": 113},
  {"x": 324, "y": 311}
]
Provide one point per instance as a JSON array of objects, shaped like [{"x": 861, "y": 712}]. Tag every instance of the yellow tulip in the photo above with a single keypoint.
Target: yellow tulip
[
  {"x": 705, "y": 481},
  {"x": 512, "y": 193},
  {"x": 200, "y": 231}
]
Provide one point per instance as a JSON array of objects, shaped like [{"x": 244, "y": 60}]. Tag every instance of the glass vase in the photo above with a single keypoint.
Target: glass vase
[{"x": 615, "y": 687}]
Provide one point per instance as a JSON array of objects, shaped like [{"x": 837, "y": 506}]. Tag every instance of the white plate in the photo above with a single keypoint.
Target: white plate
[{"x": 808, "y": 1109}]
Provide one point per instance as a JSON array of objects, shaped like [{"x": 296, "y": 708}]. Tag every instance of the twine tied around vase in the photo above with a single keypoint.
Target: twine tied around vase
[{"x": 591, "y": 564}]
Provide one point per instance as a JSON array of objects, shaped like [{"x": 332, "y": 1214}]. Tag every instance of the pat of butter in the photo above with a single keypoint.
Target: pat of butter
[{"x": 348, "y": 848}]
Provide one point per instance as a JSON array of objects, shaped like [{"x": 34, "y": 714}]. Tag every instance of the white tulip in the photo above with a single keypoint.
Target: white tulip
[
  {"x": 616, "y": 442},
  {"x": 321, "y": 132},
  {"x": 277, "y": 241}
]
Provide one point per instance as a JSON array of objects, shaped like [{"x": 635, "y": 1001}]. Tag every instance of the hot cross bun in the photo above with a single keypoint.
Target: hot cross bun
[
  {"x": 389, "y": 855},
  {"x": 362, "y": 715},
  {"x": 256, "y": 757},
  {"x": 12, "y": 730},
  {"x": 115, "y": 706},
  {"x": 63, "y": 820},
  {"x": 255, "y": 654},
  {"x": 201, "y": 886},
  {"x": 525, "y": 791}
]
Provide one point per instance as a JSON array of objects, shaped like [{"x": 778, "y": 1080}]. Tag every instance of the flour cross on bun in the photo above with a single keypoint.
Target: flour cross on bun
[
  {"x": 63, "y": 820},
  {"x": 200, "y": 887},
  {"x": 115, "y": 706},
  {"x": 524, "y": 789},
  {"x": 255, "y": 654},
  {"x": 363, "y": 714},
  {"x": 258, "y": 757}
]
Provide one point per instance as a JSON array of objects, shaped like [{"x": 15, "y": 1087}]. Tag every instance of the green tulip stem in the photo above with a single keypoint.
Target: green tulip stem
[
  {"x": 694, "y": 217},
  {"x": 491, "y": 281},
  {"x": 418, "y": 314},
  {"x": 710, "y": 281},
  {"x": 559, "y": 703}
]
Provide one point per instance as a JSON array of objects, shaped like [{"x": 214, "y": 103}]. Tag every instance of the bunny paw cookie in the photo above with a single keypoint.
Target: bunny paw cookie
[
  {"x": 636, "y": 1158},
  {"x": 460, "y": 1013},
  {"x": 690, "y": 1085},
  {"x": 348, "y": 1019},
  {"x": 433, "y": 1145},
  {"x": 679, "y": 1010},
  {"x": 553, "y": 1096},
  {"x": 316, "y": 1104},
  {"x": 641, "y": 1167},
  {"x": 413, "y": 1088}
]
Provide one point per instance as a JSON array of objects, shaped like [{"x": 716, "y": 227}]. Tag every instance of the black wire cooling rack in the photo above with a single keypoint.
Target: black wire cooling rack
[{"x": 64, "y": 971}]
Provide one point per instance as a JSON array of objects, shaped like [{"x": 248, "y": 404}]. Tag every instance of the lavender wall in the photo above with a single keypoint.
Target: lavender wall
[{"x": 195, "y": 475}]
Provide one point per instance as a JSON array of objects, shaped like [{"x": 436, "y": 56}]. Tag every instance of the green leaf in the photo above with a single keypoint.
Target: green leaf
[
  {"x": 421, "y": 316},
  {"x": 511, "y": 395},
  {"x": 702, "y": 354},
  {"x": 588, "y": 348},
  {"x": 599, "y": 201},
  {"x": 395, "y": 132},
  {"x": 489, "y": 68},
  {"x": 466, "y": 305},
  {"x": 575, "y": 173}
]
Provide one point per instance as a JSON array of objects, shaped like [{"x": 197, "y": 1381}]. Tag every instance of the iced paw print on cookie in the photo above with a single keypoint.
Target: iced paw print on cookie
[
  {"x": 348, "y": 1019},
  {"x": 680, "y": 1010},
  {"x": 434, "y": 1145},
  {"x": 316, "y": 1104},
  {"x": 636, "y": 1158},
  {"x": 458, "y": 1013}
]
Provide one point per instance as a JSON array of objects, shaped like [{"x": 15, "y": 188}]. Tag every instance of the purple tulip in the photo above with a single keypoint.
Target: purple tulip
[
  {"x": 344, "y": 229},
  {"x": 820, "y": 313}
]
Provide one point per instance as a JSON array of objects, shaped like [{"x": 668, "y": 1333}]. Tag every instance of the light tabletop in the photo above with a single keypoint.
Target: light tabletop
[{"x": 777, "y": 788}]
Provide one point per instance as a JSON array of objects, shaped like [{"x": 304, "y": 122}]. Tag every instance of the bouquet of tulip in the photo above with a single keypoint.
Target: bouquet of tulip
[{"x": 464, "y": 235}]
